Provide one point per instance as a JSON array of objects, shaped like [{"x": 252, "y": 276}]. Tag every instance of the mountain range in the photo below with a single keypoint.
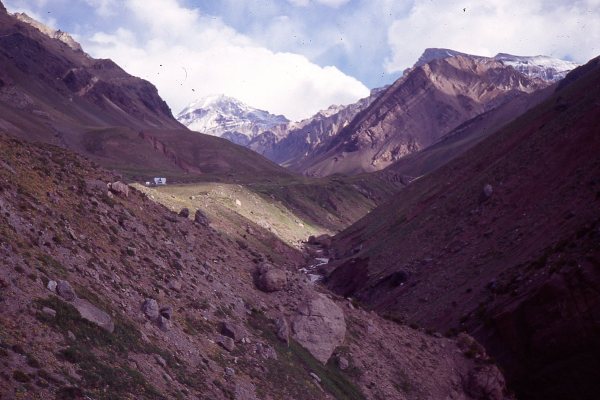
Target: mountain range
[
  {"x": 456, "y": 85},
  {"x": 435, "y": 240}
]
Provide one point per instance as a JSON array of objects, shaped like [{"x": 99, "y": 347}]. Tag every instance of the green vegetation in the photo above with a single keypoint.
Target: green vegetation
[
  {"x": 290, "y": 372},
  {"x": 110, "y": 377},
  {"x": 108, "y": 381},
  {"x": 56, "y": 267}
]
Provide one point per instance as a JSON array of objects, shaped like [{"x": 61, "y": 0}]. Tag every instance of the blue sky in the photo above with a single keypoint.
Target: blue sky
[{"x": 298, "y": 56}]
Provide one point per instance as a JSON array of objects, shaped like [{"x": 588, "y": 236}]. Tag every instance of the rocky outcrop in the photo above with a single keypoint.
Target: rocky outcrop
[
  {"x": 319, "y": 326},
  {"x": 52, "y": 33}
]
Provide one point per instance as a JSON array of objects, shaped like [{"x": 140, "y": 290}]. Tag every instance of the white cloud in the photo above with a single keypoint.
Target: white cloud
[
  {"x": 104, "y": 8},
  {"x": 188, "y": 55},
  {"x": 332, "y": 3},
  {"x": 328, "y": 3},
  {"x": 556, "y": 28}
]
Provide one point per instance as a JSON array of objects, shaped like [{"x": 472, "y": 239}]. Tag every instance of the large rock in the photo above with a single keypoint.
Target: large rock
[
  {"x": 119, "y": 188},
  {"x": 271, "y": 279},
  {"x": 234, "y": 331},
  {"x": 64, "y": 290},
  {"x": 90, "y": 312},
  {"x": 485, "y": 382},
  {"x": 319, "y": 326},
  {"x": 201, "y": 218},
  {"x": 226, "y": 342},
  {"x": 150, "y": 308},
  {"x": 283, "y": 329}
]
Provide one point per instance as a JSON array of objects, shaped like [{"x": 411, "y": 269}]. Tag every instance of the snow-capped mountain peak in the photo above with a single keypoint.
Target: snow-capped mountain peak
[
  {"x": 227, "y": 117},
  {"x": 547, "y": 68},
  {"x": 543, "y": 67}
]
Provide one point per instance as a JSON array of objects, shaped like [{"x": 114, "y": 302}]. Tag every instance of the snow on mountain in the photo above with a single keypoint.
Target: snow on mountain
[
  {"x": 226, "y": 117},
  {"x": 543, "y": 67}
]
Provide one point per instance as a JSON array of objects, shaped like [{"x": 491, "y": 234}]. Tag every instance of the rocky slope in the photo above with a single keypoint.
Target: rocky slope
[
  {"x": 54, "y": 93},
  {"x": 53, "y": 33},
  {"x": 231, "y": 119},
  {"x": 425, "y": 104},
  {"x": 501, "y": 241},
  {"x": 106, "y": 294},
  {"x": 304, "y": 137}
]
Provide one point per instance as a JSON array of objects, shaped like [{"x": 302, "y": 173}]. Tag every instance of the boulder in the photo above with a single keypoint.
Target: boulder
[
  {"x": 343, "y": 363},
  {"x": 150, "y": 308},
  {"x": 319, "y": 326},
  {"x": 93, "y": 314},
  {"x": 226, "y": 342},
  {"x": 119, "y": 188},
  {"x": 49, "y": 312},
  {"x": 234, "y": 331},
  {"x": 486, "y": 193},
  {"x": 175, "y": 284},
  {"x": 166, "y": 312},
  {"x": 64, "y": 290},
  {"x": 485, "y": 382},
  {"x": 270, "y": 279},
  {"x": 283, "y": 329},
  {"x": 201, "y": 218},
  {"x": 185, "y": 212},
  {"x": 52, "y": 286},
  {"x": 164, "y": 323}
]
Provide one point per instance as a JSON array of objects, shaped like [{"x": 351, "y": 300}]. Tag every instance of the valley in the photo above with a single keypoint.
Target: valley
[{"x": 437, "y": 239}]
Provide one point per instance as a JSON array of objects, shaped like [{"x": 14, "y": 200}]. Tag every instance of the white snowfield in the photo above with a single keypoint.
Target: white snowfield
[{"x": 218, "y": 114}]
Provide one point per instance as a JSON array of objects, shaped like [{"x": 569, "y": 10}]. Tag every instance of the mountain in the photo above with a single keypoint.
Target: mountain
[
  {"x": 51, "y": 91},
  {"x": 106, "y": 294},
  {"x": 302, "y": 138},
  {"x": 501, "y": 242},
  {"x": 432, "y": 54},
  {"x": 547, "y": 68},
  {"x": 417, "y": 110},
  {"x": 229, "y": 118}
]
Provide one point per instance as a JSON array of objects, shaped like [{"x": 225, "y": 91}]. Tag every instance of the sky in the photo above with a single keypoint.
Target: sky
[{"x": 295, "y": 57}]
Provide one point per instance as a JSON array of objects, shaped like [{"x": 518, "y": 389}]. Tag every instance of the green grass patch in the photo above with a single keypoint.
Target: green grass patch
[
  {"x": 290, "y": 372},
  {"x": 108, "y": 381}
]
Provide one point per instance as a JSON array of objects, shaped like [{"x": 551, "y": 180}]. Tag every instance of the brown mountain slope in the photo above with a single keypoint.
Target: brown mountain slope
[
  {"x": 464, "y": 137},
  {"x": 518, "y": 267},
  {"x": 111, "y": 296},
  {"x": 54, "y": 93},
  {"x": 425, "y": 104}
]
